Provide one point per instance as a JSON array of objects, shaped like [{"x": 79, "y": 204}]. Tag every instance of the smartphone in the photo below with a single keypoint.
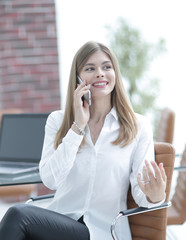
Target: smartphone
[{"x": 87, "y": 96}]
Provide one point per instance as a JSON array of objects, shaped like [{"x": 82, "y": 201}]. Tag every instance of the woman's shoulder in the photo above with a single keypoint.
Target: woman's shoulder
[
  {"x": 57, "y": 114},
  {"x": 55, "y": 117},
  {"x": 141, "y": 118},
  {"x": 142, "y": 121}
]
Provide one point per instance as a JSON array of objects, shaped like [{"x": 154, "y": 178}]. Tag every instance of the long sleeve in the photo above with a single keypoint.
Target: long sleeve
[
  {"x": 93, "y": 180},
  {"x": 144, "y": 151},
  {"x": 55, "y": 165}
]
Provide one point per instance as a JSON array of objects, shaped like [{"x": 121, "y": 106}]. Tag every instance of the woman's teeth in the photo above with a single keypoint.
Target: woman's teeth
[{"x": 100, "y": 84}]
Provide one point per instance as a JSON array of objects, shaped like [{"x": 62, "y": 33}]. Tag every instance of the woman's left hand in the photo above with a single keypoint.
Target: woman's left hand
[{"x": 153, "y": 185}]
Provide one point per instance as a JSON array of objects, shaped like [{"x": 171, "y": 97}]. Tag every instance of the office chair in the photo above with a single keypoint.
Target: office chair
[
  {"x": 145, "y": 226},
  {"x": 165, "y": 129},
  {"x": 148, "y": 224},
  {"x": 176, "y": 214}
]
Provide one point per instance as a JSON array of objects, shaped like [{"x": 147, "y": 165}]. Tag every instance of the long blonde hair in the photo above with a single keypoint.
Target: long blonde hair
[{"x": 119, "y": 99}]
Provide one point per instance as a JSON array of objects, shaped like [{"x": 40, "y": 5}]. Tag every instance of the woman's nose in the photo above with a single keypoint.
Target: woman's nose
[{"x": 99, "y": 74}]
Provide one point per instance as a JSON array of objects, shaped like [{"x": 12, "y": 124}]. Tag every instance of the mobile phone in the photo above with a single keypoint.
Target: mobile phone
[{"x": 87, "y": 96}]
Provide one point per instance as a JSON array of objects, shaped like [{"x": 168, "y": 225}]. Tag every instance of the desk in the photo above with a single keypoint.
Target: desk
[{"x": 30, "y": 178}]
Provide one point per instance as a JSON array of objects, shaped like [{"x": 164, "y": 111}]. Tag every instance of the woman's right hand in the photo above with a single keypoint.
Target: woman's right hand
[{"x": 81, "y": 108}]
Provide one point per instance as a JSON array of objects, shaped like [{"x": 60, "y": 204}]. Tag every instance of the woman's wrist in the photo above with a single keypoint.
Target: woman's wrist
[
  {"x": 77, "y": 128},
  {"x": 156, "y": 200}
]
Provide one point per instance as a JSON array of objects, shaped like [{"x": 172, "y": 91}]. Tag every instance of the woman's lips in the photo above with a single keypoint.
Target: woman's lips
[{"x": 100, "y": 84}]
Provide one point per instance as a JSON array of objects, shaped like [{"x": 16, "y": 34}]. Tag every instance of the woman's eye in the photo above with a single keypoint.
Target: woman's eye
[
  {"x": 107, "y": 67},
  {"x": 89, "y": 69}
]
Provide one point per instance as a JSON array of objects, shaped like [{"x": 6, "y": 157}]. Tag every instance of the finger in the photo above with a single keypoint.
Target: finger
[
  {"x": 149, "y": 171},
  {"x": 156, "y": 171},
  {"x": 81, "y": 90},
  {"x": 83, "y": 87},
  {"x": 145, "y": 175},
  {"x": 80, "y": 85},
  {"x": 140, "y": 182},
  {"x": 162, "y": 169}
]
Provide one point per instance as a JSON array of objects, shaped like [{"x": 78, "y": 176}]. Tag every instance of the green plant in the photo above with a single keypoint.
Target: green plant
[{"x": 135, "y": 56}]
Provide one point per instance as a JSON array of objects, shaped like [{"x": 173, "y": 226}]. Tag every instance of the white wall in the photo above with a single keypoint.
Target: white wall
[{"x": 81, "y": 21}]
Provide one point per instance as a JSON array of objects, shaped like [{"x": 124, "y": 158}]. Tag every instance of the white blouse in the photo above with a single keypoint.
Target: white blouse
[{"x": 93, "y": 180}]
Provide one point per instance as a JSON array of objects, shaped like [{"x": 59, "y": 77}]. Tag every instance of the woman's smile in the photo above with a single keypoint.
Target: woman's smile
[{"x": 100, "y": 84}]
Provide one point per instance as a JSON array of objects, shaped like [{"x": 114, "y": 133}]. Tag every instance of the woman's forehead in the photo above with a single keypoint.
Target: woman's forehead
[{"x": 98, "y": 56}]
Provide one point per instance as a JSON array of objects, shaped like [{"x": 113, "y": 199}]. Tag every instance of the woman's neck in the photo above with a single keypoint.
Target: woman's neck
[{"x": 99, "y": 110}]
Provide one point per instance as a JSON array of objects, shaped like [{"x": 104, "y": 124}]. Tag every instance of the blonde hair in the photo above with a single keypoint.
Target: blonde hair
[{"x": 119, "y": 99}]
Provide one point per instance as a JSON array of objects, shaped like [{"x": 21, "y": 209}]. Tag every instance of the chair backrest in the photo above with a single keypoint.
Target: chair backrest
[
  {"x": 152, "y": 225},
  {"x": 165, "y": 129},
  {"x": 177, "y": 212}
]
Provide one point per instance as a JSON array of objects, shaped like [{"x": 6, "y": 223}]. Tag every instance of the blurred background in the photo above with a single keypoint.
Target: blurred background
[
  {"x": 39, "y": 38},
  {"x": 156, "y": 27}
]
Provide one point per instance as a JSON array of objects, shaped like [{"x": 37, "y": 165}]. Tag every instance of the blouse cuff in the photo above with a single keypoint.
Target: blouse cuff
[
  {"x": 150, "y": 205},
  {"x": 143, "y": 202}
]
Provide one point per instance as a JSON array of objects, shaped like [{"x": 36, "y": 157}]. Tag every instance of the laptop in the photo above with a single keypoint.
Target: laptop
[{"x": 21, "y": 142}]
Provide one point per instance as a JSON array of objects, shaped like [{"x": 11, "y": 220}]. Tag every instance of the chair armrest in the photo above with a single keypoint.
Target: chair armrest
[
  {"x": 134, "y": 211},
  {"x": 38, "y": 198},
  {"x": 180, "y": 168}
]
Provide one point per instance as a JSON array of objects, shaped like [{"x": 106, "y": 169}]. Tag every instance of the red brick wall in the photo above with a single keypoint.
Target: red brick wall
[{"x": 29, "y": 75}]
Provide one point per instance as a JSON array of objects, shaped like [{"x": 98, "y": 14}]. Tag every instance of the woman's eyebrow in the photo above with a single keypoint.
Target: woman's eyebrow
[
  {"x": 89, "y": 64},
  {"x": 106, "y": 62},
  {"x": 92, "y": 64}
]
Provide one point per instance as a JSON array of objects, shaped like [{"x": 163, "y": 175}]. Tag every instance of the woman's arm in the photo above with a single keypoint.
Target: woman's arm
[
  {"x": 55, "y": 165},
  {"x": 146, "y": 190}
]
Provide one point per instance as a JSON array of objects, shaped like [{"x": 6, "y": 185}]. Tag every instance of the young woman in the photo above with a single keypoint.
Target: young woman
[{"x": 91, "y": 154}]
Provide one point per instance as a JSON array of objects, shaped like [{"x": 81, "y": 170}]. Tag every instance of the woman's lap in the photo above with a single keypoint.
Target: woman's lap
[{"x": 25, "y": 221}]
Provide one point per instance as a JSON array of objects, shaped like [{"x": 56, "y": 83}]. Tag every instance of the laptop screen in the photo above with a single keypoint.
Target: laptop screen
[{"x": 21, "y": 137}]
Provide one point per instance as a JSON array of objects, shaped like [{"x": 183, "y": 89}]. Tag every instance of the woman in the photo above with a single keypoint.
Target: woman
[{"x": 91, "y": 154}]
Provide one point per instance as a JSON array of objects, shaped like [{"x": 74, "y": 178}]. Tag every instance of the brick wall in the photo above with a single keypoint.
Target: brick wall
[{"x": 29, "y": 75}]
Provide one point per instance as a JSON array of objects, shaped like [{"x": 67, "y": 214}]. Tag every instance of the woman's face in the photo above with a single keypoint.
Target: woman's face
[{"x": 99, "y": 73}]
